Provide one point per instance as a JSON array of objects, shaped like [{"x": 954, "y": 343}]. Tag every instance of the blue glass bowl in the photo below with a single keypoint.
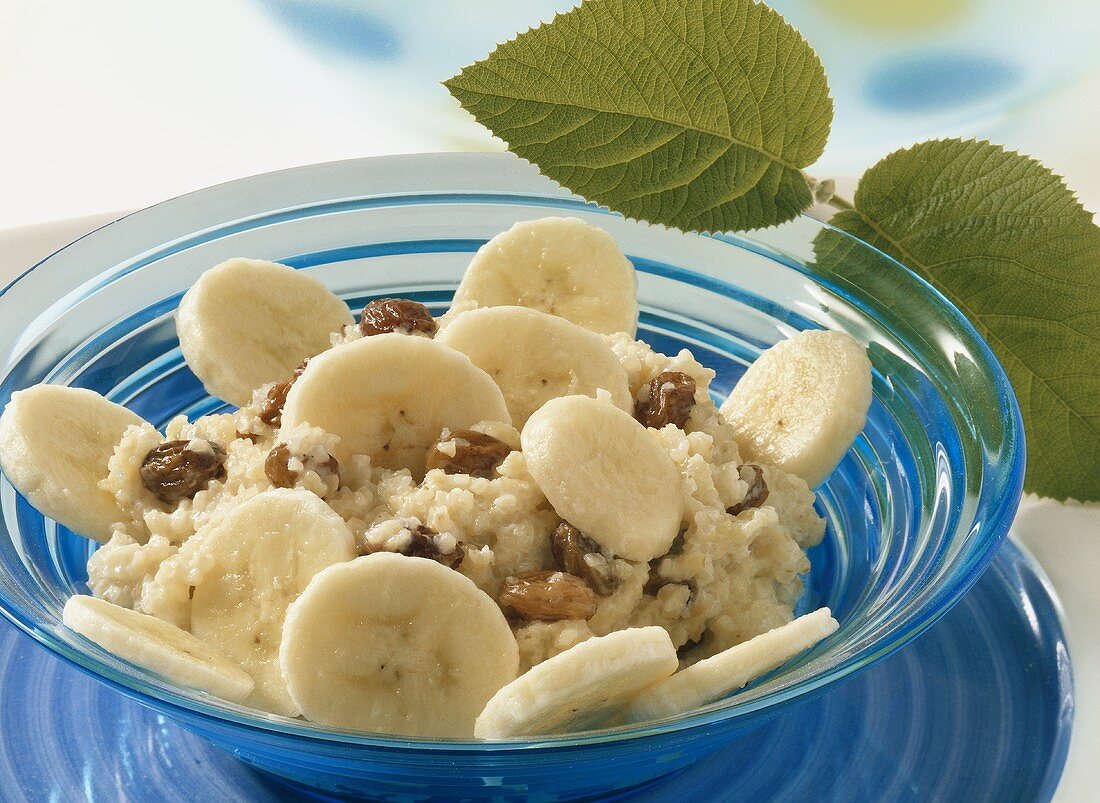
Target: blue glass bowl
[{"x": 915, "y": 511}]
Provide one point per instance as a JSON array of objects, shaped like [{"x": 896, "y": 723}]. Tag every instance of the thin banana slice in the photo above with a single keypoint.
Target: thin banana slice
[
  {"x": 155, "y": 645},
  {"x": 55, "y": 442},
  {"x": 389, "y": 397},
  {"x": 802, "y": 403},
  {"x": 397, "y": 645},
  {"x": 262, "y": 556},
  {"x": 713, "y": 678},
  {"x": 247, "y": 322},
  {"x": 534, "y": 357},
  {"x": 559, "y": 265},
  {"x": 581, "y": 688},
  {"x": 605, "y": 474}
]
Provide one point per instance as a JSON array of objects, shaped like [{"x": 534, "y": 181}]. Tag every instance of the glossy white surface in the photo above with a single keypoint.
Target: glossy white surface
[{"x": 118, "y": 103}]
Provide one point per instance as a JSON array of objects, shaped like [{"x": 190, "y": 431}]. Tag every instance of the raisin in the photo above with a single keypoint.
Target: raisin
[
  {"x": 671, "y": 397},
  {"x": 179, "y": 469},
  {"x": 281, "y": 475},
  {"x": 277, "y": 467},
  {"x": 393, "y": 314},
  {"x": 271, "y": 408},
  {"x": 571, "y": 550},
  {"x": 476, "y": 453},
  {"x": 757, "y": 493},
  {"x": 251, "y": 437},
  {"x": 548, "y": 596},
  {"x": 423, "y": 545},
  {"x": 655, "y": 583}
]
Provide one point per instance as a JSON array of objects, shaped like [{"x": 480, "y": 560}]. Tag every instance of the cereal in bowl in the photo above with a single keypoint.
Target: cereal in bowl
[{"x": 513, "y": 520}]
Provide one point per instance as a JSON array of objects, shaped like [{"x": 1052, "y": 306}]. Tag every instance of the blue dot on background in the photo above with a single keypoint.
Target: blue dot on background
[
  {"x": 338, "y": 28},
  {"x": 930, "y": 82}
]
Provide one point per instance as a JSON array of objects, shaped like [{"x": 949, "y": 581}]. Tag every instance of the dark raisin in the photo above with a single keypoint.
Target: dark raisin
[
  {"x": 277, "y": 467},
  {"x": 251, "y": 437},
  {"x": 671, "y": 397},
  {"x": 179, "y": 469},
  {"x": 757, "y": 493},
  {"x": 271, "y": 408},
  {"x": 423, "y": 545},
  {"x": 396, "y": 314},
  {"x": 548, "y": 596},
  {"x": 571, "y": 548},
  {"x": 281, "y": 475},
  {"x": 655, "y": 583},
  {"x": 476, "y": 453}
]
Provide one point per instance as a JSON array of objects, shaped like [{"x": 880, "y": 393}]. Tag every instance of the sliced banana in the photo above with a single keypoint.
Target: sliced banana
[
  {"x": 559, "y": 265},
  {"x": 155, "y": 645},
  {"x": 802, "y": 403},
  {"x": 534, "y": 357},
  {"x": 247, "y": 322},
  {"x": 398, "y": 645},
  {"x": 713, "y": 678},
  {"x": 55, "y": 442},
  {"x": 389, "y": 397},
  {"x": 605, "y": 474},
  {"x": 262, "y": 556},
  {"x": 581, "y": 688}
]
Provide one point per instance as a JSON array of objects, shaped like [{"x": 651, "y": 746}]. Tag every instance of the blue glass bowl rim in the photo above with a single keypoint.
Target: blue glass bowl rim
[{"x": 506, "y": 170}]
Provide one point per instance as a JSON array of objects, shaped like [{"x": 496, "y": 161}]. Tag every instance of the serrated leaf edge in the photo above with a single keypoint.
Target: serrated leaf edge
[
  {"x": 707, "y": 232},
  {"x": 912, "y": 263}
]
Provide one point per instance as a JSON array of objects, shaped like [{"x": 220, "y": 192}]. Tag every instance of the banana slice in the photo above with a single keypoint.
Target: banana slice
[
  {"x": 397, "y": 645},
  {"x": 802, "y": 403},
  {"x": 605, "y": 474},
  {"x": 262, "y": 556},
  {"x": 55, "y": 442},
  {"x": 581, "y": 688},
  {"x": 155, "y": 645},
  {"x": 534, "y": 357},
  {"x": 559, "y": 265},
  {"x": 389, "y": 397},
  {"x": 713, "y": 678},
  {"x": 246, "y": 322}
]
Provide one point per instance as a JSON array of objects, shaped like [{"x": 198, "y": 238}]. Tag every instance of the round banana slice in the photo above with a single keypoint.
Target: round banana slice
[
  {"x": 559, "y": 265},
  {"x": 247, "y": 322},
  {"x": 713, "y": 678},
  {"x": 581, "y": 688},
  {"x": 534, "y": 357},
  {"x": 389, "y": 396},
  {"x": 261, "y": 557},
  {"x": 802, "y": 403},
  {"x": 605, "y": 474},
  {"x": 55, "y": 442},
  {"x": 398, "y": 645},
  {"x": 155, "y": 645}
]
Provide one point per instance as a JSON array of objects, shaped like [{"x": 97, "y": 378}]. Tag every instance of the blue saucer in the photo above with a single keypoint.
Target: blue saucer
[{"x": 980, "y": 708}]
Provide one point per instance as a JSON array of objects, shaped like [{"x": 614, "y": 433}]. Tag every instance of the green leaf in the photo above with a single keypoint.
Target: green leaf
[
  {"x": 697, "y": 114},
  {"x": 1005, "y": 240}
]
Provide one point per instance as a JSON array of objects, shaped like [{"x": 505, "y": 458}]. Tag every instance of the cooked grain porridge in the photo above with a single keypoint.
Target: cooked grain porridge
[{"x": 543, "y": 481}]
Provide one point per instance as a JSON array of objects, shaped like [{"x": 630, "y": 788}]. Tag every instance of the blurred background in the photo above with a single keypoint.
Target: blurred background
[{"x": 116, "y": 104}]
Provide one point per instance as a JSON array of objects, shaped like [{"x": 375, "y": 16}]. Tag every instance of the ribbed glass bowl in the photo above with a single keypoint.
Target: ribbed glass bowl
[{"x": 915, "y": 511}]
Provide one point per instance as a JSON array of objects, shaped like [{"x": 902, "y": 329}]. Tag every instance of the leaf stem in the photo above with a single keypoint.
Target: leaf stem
[{"x": 823, "y": 192}]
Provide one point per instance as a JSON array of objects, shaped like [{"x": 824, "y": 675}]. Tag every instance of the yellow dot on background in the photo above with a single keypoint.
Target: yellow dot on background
[{"x": 897, "y": 16}]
